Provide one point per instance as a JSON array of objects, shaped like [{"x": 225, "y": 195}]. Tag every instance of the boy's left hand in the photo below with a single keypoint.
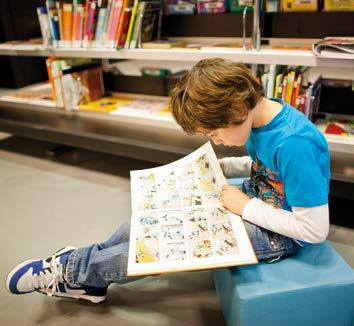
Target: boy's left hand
[{"x": 234, "y": 199}]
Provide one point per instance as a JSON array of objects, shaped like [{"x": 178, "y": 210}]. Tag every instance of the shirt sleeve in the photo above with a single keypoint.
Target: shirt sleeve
[
  {"x": 309, "y": 224},
  {"x": 305, "y": 185},
  {"x": 236, "y": 167}
]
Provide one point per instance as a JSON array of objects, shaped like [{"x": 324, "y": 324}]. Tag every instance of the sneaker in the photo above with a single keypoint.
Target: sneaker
[
  {"x": 34, "y": 274},
  {"x": 95, "y": 295}
]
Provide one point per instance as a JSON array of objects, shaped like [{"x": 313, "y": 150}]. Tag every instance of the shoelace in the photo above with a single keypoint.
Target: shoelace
[{"x": 50, "y": 279}]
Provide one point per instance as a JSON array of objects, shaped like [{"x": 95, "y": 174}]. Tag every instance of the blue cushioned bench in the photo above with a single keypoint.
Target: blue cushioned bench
[{"x": 314, "y": 287}]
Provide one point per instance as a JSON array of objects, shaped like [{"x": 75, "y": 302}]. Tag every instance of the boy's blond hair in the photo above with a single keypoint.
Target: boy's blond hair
[{"x": 214, "y": 94}]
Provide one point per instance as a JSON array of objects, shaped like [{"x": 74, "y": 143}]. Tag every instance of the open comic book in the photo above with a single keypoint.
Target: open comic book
[{"x": 178, "y": 222}]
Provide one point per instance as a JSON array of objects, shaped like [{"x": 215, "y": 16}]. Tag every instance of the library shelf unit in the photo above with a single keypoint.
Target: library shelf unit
[{"x": 264, "y": 56}]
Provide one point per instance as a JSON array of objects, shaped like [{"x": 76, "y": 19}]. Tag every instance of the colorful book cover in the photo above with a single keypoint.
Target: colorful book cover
[
  {"x": 137, "y": 25},
  {"x": 284, "y": 86},
  {"x": 44, "y": 25},
  {"x": 277, "y": 87},
  {"x": 131, "y": 24},
  {"x": 60, "y": 22},
  {"x": 271, "y": 81},
  {"x": 123, "y": 24},
  {"x": 85, "y": 23},
  {"x": 98, "y": 40},
  {"x": 114, "y": 25},
  {"x": 289, "y": 86},
  {"x": 104, "y": 104},
  {"x": 67, "y": 24}
]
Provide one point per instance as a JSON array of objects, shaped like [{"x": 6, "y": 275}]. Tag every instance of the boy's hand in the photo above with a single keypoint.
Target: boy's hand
[{"x": 234, "y": 199}]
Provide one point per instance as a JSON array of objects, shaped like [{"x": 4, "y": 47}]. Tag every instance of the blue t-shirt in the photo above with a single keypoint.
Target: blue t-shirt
[{"x": 291, "y": 164}]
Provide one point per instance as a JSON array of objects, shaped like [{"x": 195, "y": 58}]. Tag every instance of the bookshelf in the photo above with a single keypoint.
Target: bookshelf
[{"x": 264, "y": 56}]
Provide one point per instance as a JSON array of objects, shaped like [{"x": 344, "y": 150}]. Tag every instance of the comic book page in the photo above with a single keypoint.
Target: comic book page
[{"x": 178, "y": 222}]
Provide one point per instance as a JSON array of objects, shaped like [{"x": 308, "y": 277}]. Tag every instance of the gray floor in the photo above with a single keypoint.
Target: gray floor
[{"x": 77, "y": 199}]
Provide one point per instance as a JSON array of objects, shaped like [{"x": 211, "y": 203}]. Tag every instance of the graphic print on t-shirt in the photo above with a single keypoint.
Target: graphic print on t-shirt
[{"x": 266, "y": 185}]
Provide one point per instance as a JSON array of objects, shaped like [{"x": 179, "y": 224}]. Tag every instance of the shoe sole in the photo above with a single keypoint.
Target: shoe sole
[
  {"x": 77, "y": 297},
  {"x": 19, "y": 266}
]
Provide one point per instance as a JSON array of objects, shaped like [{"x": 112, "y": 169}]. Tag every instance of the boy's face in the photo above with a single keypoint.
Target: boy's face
[{"x": 233, "y": 135}]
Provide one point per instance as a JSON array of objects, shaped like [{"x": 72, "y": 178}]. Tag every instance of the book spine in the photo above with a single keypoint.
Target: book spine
[
  {"x": 284, "y": 85},
  {"x": 44, "y": 25},
  {"x": 125, "y": 25},
  {"x": 75, "y": 24},
  {"x": 120, "y": 24},
  {"x": 89, "y": 29},
  {"x": 131, "y": 24},
  {"x": 297, "y": 89},
  {"x": 115, "y": 23},
  {"x": 50, "y": 77},
  {"x": 106, "y": 22},
  {"x": 99, "y": 29},
  {"x": 60, "y": 23},
  {"x": 271, "y": 81},
  {"x": 137, "y": 25},
  {"x": 84, "y": 42},
  {"x": 67, "y": 23},
  {"x": 289, "y": 87}
]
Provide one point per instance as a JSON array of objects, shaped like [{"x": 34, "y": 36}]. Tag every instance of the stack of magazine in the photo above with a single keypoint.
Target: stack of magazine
[{"x": 335, "y": 47}]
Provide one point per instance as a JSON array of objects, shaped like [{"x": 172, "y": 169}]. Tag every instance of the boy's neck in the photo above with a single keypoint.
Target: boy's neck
[{"x": 264, "y": 112}]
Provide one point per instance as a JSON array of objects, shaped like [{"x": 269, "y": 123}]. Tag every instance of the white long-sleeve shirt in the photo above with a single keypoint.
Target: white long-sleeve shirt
[{"x": 309, "y": 224}]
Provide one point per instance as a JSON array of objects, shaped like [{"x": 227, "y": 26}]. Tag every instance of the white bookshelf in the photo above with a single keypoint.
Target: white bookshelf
[{"x": 264, "y": 56}]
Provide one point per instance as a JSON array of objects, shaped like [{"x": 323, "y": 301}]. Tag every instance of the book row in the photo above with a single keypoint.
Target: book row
[{"x": 98, "y": 23}]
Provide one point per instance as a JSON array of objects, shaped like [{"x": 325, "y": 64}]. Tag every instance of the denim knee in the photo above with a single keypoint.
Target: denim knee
[{"x": 269, "y": 246}]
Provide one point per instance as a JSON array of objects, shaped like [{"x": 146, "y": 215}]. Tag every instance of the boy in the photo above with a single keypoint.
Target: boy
[{"x": 284, "y": 203}]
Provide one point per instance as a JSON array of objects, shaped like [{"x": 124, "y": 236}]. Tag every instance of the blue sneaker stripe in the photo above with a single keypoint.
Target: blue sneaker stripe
[{"x": 37, "y": 267}]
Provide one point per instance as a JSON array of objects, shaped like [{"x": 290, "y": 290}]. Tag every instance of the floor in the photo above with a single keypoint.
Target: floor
[{"x": 80, "y": 198}]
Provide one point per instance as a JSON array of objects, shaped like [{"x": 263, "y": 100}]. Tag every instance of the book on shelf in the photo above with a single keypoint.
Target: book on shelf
[
  {"x": 338, "y": 127},
  {"x": 178, "y": 222},
  {"x": 76, "y": 84},
  {"x": 299, "y": 5},
  {"x": 131, "y": 24},
  {"x": 147, "y": 108},
  {"x": 335, "y": 47},
  {"x": 104, "y": 104},
  {"x": 163, "y": 44},
  {"x": 36, "y": 94},
  {"x": 44, "y": 25}
]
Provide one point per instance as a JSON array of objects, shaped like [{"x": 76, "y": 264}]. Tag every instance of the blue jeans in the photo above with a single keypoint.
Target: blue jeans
[{"x": 99, "y": 265}]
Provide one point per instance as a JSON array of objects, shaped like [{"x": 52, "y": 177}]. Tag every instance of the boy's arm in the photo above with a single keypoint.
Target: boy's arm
[
  {"x": 236, "y": 167},
  {"x": 309, "y": 224}
]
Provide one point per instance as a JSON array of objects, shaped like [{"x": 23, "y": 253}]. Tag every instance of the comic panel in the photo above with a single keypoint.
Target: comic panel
[
  {"x": 167, "y": 181},
  {"x": 169, "y": 199},
  {"x": 203, "y": 164},
  {"x": 212, "y": 198},
  {"x": 148, "y": 219},
  {"x": 171, "y": 217},
  {"x": 221, "y": 229},
  {"x": 200, "y": 249},
  {"x": 195, "y": 215},
  {"x": 186, "y": 172},
  {"x": 147, "y": 200},
  {"x": 190, "y": 193},
  {"x": 146, "y": 181},
  {"x": 147, "y": 251},
  {"x": 218, "y": 214},
  {"x": 208, "y": 182},
  {"x": 225, "y": 247},
  {"x": 198, "y": 231},
  {"x": 174, "y": 233},
  {"x": 174, "y": 251}
]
